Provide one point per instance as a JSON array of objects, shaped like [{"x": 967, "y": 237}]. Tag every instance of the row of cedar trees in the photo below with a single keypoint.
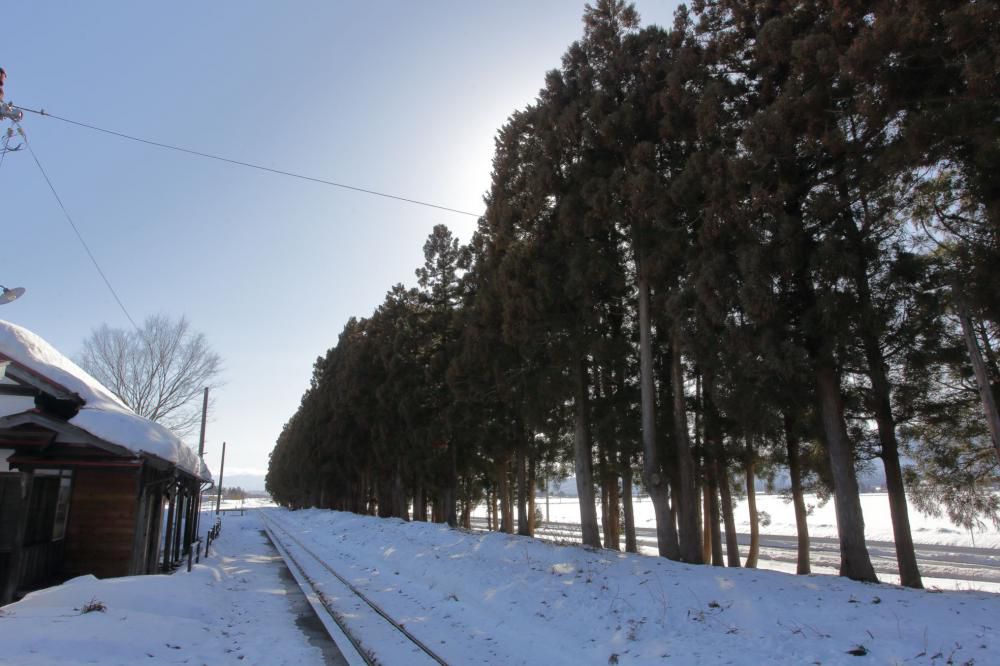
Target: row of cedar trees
[{"x": 730, "y": 246}]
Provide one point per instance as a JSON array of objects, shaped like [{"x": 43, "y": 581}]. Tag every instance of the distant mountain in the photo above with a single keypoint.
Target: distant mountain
[
  {"x": 871, "y": 478},
  {"x": 251, "y": 482}
]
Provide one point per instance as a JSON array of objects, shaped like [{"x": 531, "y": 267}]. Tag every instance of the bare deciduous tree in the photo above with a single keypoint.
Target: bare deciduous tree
[{"x": 158, "y": 371}]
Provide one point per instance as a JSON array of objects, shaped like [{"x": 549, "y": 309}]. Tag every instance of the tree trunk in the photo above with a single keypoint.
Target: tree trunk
[
  {"x": 495, "y": 502},
  {"x": 992, "y": 363},
  {"x": 652, "y": 468},
  {"x": 701, "y": 471},
  {"x": 706, "y": 529},
  {"x": 466, "y": 519},
  {"x": 399, "y": 495},
  {"x": 603, "y": 506},
  {"x": 795, "y": 472},
  {"x": 906, "y": 556},
  {"x": 532, "y": 476},
  {"x": 732, "y": 543},
  {"x": 523, "y": 527},
  {"x": 491, "y": 524},
  {"x": 979, "y": 368},
  {"x": 630, "y": 543},
  {"x": 602, "y": 475},
  {"x": 751, "y": 477},
  {"x": 582, "y": 458},
  {"x": 383, "y": 502},
  {"x": 451, "y": 493},
  {"x": 503, "y": 494},
  {"x": 689, "y": 529},
  {"x": 610, "y": 505},
  {"x": 855, "y": 562},
  {"x": 713, "y": 454},
  {"x": 612, "y": 538},
  {"x": 508, "y": 500},
  {"x": 420, "y": 504},
  {"x": 713, "y": 517}
]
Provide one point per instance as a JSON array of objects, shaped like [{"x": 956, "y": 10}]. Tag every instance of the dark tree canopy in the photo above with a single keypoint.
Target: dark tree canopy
[{"x": 763, "y": 239}]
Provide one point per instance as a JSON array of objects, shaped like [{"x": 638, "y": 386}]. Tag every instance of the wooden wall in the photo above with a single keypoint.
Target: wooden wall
[{"x": 102, "y": 520}]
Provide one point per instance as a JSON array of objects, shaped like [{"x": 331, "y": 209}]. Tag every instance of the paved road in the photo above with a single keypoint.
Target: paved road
[{"x": 961, "y": 563}]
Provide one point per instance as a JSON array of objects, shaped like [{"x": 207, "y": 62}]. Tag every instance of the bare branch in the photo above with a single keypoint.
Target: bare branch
[{"x": 159, "y": 371}]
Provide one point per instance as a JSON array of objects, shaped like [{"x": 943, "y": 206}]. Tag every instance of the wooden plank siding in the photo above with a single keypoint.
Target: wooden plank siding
[{"x": 102, "y": 522}]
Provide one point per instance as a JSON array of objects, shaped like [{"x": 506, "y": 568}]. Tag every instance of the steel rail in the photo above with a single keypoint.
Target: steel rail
[
  {"x": 371, "y": 604},
  {"x": 300, "y": 575}
]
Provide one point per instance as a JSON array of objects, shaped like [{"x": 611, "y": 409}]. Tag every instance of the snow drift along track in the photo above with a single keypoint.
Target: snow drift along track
[{"x": 375, "y": 636}]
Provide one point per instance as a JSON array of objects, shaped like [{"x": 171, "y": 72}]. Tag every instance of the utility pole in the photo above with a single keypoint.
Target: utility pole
[
  {"x": 204, "y": 413},
  {"x": 201, "y": 458},
  {"x": 222, "y": 467}
]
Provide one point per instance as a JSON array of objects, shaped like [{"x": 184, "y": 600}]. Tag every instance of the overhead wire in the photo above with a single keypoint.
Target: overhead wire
[
  {"x": 72, "y": 224},
  {"x": 249, "y": 165}
]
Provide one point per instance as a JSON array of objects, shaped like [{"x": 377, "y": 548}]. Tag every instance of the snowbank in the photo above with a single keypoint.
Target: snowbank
[{"x": 490, "y": 598}]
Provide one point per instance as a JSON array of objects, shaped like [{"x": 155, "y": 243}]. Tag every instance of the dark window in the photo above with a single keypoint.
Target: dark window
[
  {"x": 41, "y": 510},
  {"x": 62, "y": 509}
]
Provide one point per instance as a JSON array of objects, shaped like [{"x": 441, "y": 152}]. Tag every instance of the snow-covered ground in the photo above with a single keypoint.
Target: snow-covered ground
[
  {"x": 233, "y": 608},
  {"x": 489, "y": 598}
]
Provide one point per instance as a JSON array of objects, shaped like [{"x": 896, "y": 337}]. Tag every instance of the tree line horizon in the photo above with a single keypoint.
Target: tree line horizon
[{"x": 764, "y": 238}]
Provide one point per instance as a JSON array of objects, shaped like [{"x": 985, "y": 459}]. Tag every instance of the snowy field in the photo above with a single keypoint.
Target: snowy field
[
  {"x": 779, "y": 515},
  {"x": 822, "y": 519},
  {"x": 489, "y": 598}
]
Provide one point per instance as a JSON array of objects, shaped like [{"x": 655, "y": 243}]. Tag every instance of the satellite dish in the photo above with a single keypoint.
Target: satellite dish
[{"x": 10, "y": 294}]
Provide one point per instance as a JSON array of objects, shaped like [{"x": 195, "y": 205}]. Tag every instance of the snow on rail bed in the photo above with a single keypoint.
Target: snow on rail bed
[{"x": 490, "y": 598}]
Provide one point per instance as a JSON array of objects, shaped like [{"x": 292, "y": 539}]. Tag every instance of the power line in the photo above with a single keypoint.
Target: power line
[
  {"x": 72, "y": 224},
  {"x": 249, "y": 165}
]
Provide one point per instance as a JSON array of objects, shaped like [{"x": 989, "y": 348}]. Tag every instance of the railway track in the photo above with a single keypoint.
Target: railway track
[{"x": 363, "y": 631}]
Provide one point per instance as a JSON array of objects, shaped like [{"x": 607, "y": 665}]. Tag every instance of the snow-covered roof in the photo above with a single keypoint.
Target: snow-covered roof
[{"x": 103, "y": 415}]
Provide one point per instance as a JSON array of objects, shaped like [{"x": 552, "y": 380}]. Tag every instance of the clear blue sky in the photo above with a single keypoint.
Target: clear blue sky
[{"x": 403, "y": 97}]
